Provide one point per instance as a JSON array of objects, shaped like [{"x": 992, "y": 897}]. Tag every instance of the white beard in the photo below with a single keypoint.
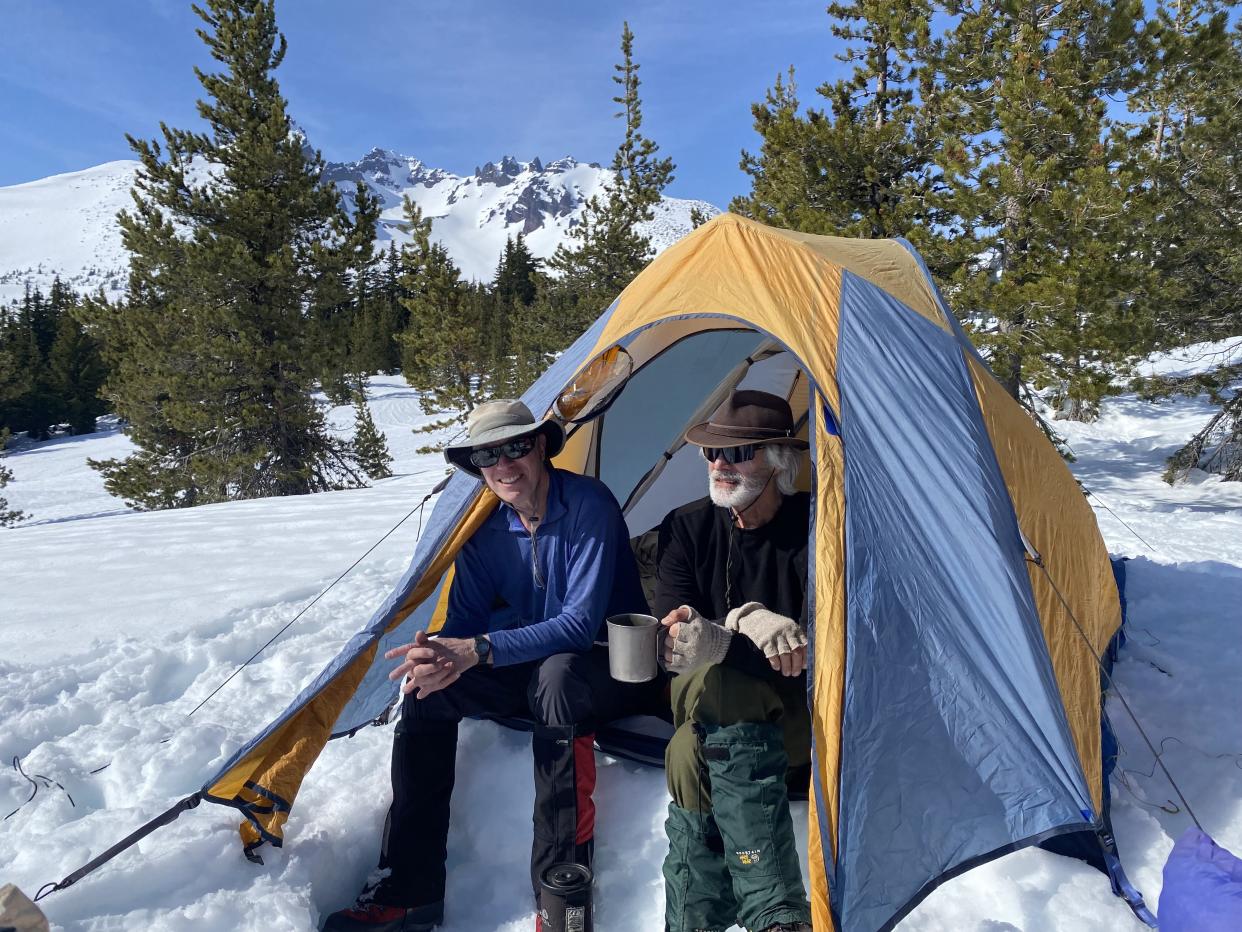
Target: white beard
[{"x": 736, "y": 496}]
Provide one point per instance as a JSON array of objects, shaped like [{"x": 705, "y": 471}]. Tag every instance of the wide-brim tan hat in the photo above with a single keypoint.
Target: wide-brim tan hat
[
  {"x": 748, "y": 416},
  {"x": 495, "y": 422}
]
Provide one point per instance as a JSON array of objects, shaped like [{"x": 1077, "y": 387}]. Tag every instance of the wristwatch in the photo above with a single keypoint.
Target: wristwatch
[{"x": 483, "y": 649}]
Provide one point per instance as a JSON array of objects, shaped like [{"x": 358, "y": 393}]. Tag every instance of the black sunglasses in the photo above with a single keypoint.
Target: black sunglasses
[
  {"x": 485, "y": 457},
  {"x": 731, "y": 455}
]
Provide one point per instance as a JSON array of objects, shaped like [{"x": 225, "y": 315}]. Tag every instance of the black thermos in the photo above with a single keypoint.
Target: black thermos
[{"x": 565, "y": 898}]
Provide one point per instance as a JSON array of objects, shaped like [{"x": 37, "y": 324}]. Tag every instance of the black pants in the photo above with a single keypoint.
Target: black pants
[{"x": 567, "y": 696}]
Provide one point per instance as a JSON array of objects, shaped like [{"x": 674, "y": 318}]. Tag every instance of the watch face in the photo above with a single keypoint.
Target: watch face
[{"x": 482, "y": 647}]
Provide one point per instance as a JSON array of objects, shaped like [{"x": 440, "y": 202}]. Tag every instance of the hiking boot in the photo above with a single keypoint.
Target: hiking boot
[
  {"x": 375, "y": 917},
  {"x": 790, "y": 927}
]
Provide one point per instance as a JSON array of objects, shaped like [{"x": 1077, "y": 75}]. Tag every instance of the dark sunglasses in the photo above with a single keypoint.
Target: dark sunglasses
[
  {"x": 731, "y": 455},
  {"x": 485, "y": 457}
]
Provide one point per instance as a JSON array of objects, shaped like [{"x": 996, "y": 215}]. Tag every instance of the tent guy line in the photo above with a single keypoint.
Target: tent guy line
[
  {"x": 1171, "y": 808},
  {"x": 33, "y": 780},
  {"x": 1104, "y": 505},
  {"x": 1036, "y": 559},
  {"x": 306, "y": 608},
  {"x": 192, "y": 801}
]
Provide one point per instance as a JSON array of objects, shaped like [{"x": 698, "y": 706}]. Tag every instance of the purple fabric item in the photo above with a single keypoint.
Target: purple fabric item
[{"x": 1202, "y": 887}]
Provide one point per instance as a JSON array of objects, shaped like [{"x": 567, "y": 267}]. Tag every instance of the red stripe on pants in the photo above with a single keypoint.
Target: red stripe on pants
[{"x": 584, "y": 787}]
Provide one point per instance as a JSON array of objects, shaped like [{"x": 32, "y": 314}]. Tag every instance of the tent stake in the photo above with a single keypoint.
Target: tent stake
[{"x": 128, "y": 841}]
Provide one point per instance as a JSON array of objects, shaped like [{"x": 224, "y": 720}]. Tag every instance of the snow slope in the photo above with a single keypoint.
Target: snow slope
[
  {"x": 66, "y": 224},
  {"x": 114, "y": 625}
]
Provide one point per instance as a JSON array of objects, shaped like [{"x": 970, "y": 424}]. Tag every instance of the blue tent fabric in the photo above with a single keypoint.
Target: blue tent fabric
[
  {"x": 954, "y": 742},
  {"x": 1202, "y": 887},
  {"x": 376, "y": 692}
]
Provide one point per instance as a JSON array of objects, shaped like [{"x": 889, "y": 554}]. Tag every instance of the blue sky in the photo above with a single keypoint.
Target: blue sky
[{"x": 453, "y": 82}]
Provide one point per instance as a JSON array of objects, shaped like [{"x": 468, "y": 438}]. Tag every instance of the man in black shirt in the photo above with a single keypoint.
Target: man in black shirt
[{"x": 731, "y": 588}]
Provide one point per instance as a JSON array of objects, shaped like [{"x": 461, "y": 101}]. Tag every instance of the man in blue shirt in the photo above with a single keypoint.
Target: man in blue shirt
[{"x": 530, "y": 593}]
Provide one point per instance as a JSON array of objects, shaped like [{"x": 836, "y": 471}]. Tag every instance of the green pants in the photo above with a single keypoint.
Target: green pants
[
  {"x": 716, "y": 695},
  {"x": 732, "y": 856}
]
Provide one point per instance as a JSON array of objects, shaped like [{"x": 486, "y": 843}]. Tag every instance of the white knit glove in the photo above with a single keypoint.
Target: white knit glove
[
  {"x": 772, "y": 633},
  {"x": 698, "y": 642}
]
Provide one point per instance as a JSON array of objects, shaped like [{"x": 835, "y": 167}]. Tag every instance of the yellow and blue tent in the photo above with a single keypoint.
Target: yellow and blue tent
[{"x": 961, "y": 593}]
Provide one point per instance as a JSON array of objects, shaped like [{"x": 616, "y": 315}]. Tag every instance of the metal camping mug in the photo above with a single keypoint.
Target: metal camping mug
[{"x": 633, "y": 646}]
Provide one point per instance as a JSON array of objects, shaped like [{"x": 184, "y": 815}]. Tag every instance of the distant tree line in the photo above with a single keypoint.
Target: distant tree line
[
  {"x": 50, "y": 367},
  {"x": 1069, "y": 171},
  {"x": 50, "y": 373}
]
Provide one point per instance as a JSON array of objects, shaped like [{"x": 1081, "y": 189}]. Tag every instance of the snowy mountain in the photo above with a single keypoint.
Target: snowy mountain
[
  {"x": 66, "y": 224},
  {"x": 114, "y": 625}
]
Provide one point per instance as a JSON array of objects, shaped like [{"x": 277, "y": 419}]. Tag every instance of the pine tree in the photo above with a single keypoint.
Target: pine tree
[
  {"x": 515, "y": 280},
  {"x": 10, "y": 387},
  {"x": 394, "y": 317},
  {"x": 227, "y": 237},
  {"x": 444, "y": 347},
  {"x": 638, "y": 173},
  {"x": 1038, "y": 192},
  {"x": 27, "y": 339},
  {"x": 76, "y": 374},
  {"x": 41, "y": 314},
  {"x": 345, "y": 343},
  {"x": 513, "y": 292},
  {"x": 865, "y": 166},
  {"x": 539, "y": 331},
  {"x": 606, "y": 248},
  {"x": 379, "y": 316},
  {"x": 14, "y": 383},
  {"x": 8, "y": 516},
  {"x": 1190, "y": 143},
  {"x": 341, "y": 298},
  {"x": 366, "y": 346},
  {"x": 369, "y": 444}
]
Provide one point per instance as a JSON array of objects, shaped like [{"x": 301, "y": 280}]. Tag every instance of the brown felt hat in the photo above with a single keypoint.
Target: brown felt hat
[{"x": 748, "y": 416}]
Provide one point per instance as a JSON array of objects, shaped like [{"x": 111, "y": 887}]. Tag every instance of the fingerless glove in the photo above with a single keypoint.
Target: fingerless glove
[
  {"x": 772, "y": 633},
  {"x": 698, "y": 642}
]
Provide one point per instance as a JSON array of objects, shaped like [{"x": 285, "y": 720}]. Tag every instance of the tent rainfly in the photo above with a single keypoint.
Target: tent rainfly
[{"x": 961, "y": 592}]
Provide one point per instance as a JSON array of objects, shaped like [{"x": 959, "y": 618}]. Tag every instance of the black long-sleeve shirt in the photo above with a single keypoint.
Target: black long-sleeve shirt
[{"x": 707, "y": 563}]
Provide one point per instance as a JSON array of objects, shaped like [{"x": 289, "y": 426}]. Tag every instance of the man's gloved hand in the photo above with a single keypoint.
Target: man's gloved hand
[
  {"x": 692, "y": 641},
  {"x": 781, "y": 639}
]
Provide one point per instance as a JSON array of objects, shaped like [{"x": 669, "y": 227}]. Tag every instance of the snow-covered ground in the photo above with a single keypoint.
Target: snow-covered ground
[{"x": 114, "y": 625}]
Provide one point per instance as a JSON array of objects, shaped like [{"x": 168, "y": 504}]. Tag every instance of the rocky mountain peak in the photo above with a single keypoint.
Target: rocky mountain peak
[{"x": 500, "y": 174}]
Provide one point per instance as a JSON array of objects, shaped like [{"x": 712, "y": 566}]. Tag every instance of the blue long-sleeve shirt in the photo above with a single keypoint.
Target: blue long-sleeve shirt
[{"x": 548, "y": 592}]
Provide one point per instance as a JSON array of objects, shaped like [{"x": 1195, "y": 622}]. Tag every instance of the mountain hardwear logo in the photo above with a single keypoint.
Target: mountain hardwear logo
[{"x": 748, "y": 857}]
